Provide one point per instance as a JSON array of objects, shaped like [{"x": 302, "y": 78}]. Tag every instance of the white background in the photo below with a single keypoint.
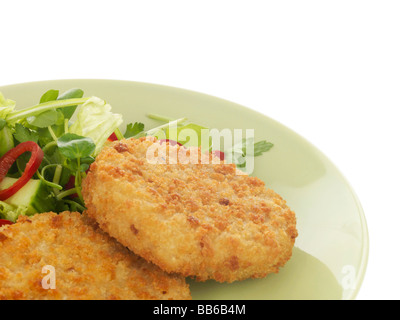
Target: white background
[{"x": 330, "y": 70}]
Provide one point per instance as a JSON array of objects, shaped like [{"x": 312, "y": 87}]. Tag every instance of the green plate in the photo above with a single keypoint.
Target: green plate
[{"x": 331, "y": 252}]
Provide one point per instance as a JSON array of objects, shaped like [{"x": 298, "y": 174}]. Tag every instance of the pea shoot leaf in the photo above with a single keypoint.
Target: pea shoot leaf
[
  {"x": 45, "y": 119},
  {"x": 73, "y": 146},
  {"x": 50, "y": 95},
  {"x": 70, "y": 94},
  {"x": 23, "y": 134},
  {"x": 72, "y": 165},
  {"x": 45, "y": 136}
]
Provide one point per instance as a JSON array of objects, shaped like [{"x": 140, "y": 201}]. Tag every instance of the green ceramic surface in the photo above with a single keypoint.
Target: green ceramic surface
[{"x": 331, "y": 252}]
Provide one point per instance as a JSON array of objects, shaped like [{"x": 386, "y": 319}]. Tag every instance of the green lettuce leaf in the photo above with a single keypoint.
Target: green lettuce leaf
[
  {"x": 6, "y": 140},
  {"x": 96, "y": 121},
  {"x": 6, "y": 106}
]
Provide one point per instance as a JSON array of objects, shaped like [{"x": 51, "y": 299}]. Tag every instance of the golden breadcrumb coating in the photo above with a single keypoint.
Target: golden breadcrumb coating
[
  {"x": 200, "y": 220},
  {"x": 88, "y": 263}
]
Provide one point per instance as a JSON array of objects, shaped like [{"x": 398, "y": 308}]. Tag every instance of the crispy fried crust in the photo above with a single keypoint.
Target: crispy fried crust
[
  {"x": 88, "y": 263},
  {"x": 199, "y": 220}
]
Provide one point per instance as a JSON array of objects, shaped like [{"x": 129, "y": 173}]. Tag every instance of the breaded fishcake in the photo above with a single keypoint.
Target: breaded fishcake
[
  {"x": 88, "y": 264},
  {"x": 200, "y": 220}
]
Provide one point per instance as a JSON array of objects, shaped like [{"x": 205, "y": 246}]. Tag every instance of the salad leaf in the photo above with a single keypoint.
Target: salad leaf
[
  {"x": 44, "y": 134},
  {"x": 23, "y": 134},
  {"x": 45, "y": 119},
  {"x": 261, "y": 147},
  {"x": 83, "y": 164},
  {"x": 73, "y": 146},
  {"x": 6, "y": 139},
  {"x": 50, "y": 95},
  {"x": 238, "y": 153},
  {"x": 16, "y": 116},
  {"x": 96, "y": 121},
  {"x": 6, "y": 106},
  {"x": 70, "y": 94},
  {"x": 67, "y": 154},
  {"x": 2, "y": 123},
  {"x": 133, "y": 129}
]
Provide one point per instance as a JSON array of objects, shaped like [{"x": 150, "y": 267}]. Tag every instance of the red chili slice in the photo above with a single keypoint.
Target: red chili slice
[
  {"x": 171, "y": 142},
  {"x": 219, "y": 154},
  {"x": 70, "y": 185},
  {"x": 7, "y": 160},
  {"x": 4, "y": 222},
  {"x": 113, "y": 137}
]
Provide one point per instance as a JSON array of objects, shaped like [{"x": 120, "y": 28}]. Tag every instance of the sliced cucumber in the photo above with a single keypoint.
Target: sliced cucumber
[{"x": 35, "y": 195}]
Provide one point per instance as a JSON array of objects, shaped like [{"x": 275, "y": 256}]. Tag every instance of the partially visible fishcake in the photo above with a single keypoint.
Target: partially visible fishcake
[
  {"x": 201, "y": 220},
  {"x": 88, "y": 263}
]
